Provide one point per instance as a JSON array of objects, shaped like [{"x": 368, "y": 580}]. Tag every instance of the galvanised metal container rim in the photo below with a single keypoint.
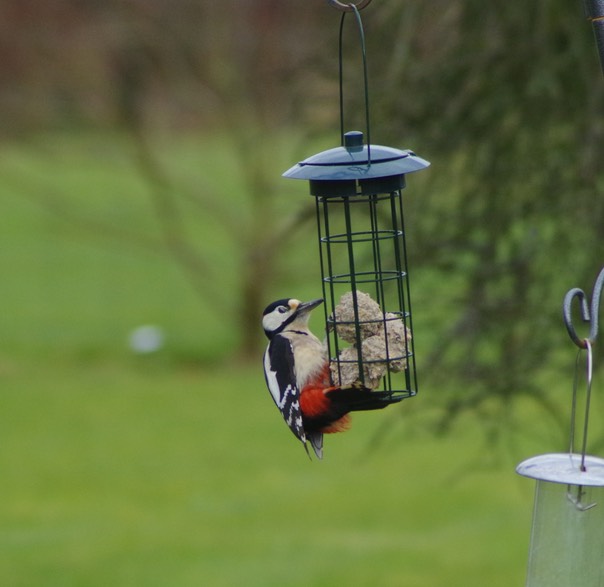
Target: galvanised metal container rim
[{"x": 564, "y": 468}]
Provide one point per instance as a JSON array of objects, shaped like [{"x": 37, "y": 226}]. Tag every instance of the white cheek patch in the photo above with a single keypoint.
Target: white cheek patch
[
  {"x": 272, "y": 321},
  {"x": 269, "y": 322}
]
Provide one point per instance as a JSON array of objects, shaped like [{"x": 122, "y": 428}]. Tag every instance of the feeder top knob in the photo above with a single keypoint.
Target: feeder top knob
[{"x": 353, "y": 140}]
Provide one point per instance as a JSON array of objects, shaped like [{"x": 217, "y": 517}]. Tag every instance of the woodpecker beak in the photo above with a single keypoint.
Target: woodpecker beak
[{"x": 306, "y": 307}]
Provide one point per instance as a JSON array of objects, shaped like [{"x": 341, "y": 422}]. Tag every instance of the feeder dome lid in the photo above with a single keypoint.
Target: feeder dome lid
[{"x": 356, "y": 161}]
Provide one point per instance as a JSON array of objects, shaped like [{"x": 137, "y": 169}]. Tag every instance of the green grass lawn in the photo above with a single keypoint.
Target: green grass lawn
[
  {"x": 137, "y": 474},
  {"x": 176, "y": 469}
]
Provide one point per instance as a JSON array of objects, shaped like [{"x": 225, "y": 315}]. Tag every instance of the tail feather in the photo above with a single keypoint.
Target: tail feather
[
  {"x": 316, "y": 441},
  {"x": 359, "y": 398}
]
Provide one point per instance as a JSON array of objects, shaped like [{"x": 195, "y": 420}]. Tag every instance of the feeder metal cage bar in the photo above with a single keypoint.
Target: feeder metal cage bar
[{"x": 382, "y": 249}]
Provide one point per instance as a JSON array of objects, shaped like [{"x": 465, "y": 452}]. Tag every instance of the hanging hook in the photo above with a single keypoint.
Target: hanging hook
[
  {"x": 594, "y": 10},
  {"x": 354, "y": 8},
  {"x": 587, "y": 314},
  {"x": 349, "y": 7},
  {"x": 578, "y": 499},
  {"x": 573, "y": 415},
  {"x": 587, "y": 404}
]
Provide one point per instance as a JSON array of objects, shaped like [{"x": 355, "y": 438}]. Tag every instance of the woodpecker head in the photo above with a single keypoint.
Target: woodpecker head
[{"x": 287, "y": 312}]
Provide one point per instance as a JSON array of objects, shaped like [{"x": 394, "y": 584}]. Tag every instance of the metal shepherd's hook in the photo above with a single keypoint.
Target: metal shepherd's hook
[
  {"x": 349, "y": 6},
  {"x": 589, "y": 312},
  {"x": 594, "y": 10}
]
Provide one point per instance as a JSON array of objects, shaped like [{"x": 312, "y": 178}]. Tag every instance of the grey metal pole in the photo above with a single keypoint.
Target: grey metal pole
[{"x": 594, "y": 10}]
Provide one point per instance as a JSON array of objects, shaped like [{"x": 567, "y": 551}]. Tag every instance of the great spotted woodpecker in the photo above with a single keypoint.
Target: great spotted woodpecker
[{"x": 296, "y": 369}]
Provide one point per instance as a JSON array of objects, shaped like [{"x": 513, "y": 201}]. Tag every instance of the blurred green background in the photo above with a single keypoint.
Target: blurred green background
[{"x": 141, "y": 152}]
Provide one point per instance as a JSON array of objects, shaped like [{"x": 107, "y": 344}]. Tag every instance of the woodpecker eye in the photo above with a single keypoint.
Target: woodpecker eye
[{"x": 282, "y": 309}]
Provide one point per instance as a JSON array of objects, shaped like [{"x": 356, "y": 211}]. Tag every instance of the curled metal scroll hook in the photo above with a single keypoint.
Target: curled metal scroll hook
[
  {"x": 589, "y": 312},
  {"x": 349, "y": 7}
]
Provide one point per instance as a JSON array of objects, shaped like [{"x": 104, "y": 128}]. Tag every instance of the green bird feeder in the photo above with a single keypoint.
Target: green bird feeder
[{"x": 358, "y": 191}]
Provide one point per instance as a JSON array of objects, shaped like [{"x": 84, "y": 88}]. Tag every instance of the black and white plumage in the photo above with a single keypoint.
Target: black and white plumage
[
  {"x": 296, "y": 369},
  {"x": 293, "y": 356}
]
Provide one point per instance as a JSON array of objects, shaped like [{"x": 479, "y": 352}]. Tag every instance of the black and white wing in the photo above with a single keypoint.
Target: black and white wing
[{"x": 281, "y": 382}]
